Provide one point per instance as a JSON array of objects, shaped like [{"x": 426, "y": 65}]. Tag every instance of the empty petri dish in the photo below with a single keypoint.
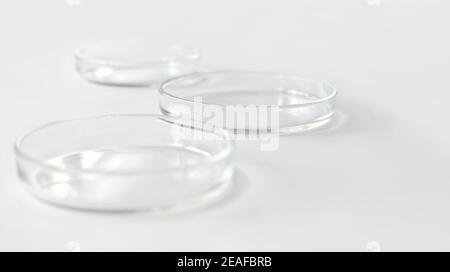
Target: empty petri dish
[
  {"x": 125, "y": 163},
  {"x": 246, "y": 102},
  {"x": 135, "y": 63}
]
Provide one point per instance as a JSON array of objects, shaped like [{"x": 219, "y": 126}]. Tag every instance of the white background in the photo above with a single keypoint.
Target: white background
[{"x": 379, "y": 173}]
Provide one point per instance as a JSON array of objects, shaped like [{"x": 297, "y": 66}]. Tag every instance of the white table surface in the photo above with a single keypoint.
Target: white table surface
[{"x": 378, "y": 178}]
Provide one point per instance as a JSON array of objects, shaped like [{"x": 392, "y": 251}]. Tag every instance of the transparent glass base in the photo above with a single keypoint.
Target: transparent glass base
[
  {"x": 132, "y": 76},
  {"x": 291, "y": 120}
]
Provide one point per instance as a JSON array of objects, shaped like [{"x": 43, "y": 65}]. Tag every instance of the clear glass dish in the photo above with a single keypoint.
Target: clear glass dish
[
  {"x": 262, "y": 102},
  {"x": 124, "y": 163},
  {"x": 135, "y": 63}
]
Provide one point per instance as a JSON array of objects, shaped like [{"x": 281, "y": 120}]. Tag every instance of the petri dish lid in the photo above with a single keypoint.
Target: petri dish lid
[
  {"x": 122, "y": 163},
  {"x": 249, "y": 102},
  {"x": 135, "y": 63}
]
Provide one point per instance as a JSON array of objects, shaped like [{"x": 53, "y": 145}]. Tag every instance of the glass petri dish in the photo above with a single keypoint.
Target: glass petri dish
[
  {"x": 123, "y": 163},
  {"x": 246, "y": 102},
  {"x": 135, "y": 63}
]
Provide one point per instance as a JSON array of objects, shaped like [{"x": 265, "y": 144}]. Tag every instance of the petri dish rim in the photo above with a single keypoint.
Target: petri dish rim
[
  {"x": 82, "y": 54},
  {"x": 164, "y": 86},
  {"x": 226, "y": 152}
]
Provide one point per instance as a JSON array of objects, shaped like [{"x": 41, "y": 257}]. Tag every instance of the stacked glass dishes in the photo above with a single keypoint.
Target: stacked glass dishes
[{"x": 136, "y": 162}]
